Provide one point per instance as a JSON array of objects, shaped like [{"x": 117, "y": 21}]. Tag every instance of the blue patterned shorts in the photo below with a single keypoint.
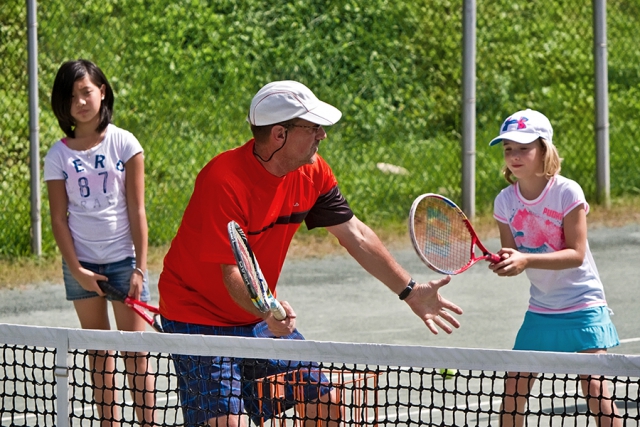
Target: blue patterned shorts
[{"x": 212, "y": 386}]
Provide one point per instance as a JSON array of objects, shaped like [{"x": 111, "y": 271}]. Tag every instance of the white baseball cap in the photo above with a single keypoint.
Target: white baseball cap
[
  {"x": 285, "y": 100},
  {"x": 524, "y": 127}
]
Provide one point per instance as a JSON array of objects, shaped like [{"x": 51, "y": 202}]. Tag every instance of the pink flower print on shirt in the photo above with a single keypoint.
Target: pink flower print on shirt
[{"x": 536, "y": 235}]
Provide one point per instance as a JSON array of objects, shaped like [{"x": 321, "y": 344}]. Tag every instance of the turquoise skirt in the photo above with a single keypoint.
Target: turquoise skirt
[{"x": 569, "y": 332}]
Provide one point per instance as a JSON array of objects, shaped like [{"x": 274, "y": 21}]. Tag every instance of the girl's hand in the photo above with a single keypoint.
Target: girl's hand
[
  {"x": 512, "y": 263},
  {"x": 89, "y": 280},
  {"x": 136, "y": 283}
]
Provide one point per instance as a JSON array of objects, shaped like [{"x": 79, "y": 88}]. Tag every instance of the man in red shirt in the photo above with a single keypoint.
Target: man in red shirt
[{"x": 269, "y": 186}]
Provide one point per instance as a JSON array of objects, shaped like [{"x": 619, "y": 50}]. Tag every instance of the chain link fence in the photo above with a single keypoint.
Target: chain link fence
[
  {"x": 624, "y": 96},
  {"x": 183, "y": 75},
  {"x": 14, "y": 131}
]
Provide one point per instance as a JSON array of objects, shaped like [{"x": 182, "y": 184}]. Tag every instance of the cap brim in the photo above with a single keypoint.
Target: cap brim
[
  {"x": 323, "y": 114},
  {"x": 516, "y": 136}
]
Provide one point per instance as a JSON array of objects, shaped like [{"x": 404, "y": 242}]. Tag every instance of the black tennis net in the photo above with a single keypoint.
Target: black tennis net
[{"x": 48, "y": 379}]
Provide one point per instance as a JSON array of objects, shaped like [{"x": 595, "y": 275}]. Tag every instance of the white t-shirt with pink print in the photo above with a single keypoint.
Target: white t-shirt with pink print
[{"x": 537, "y": 227}]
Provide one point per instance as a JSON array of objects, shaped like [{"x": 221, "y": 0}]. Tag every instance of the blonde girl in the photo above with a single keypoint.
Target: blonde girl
[{"x": 542, "y": 218}]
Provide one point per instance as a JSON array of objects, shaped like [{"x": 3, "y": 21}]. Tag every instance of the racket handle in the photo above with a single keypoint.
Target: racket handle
[
  {"x": 494, "y": 258},
  {"x": 278, "y": 310},
  {"x": 114, "y": 293}
]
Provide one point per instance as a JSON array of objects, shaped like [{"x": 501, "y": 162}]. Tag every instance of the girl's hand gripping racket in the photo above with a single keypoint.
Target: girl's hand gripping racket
[
  {"x": 251, "y": 273},
  {"x": 443, "y": 236},
  {"x": 137, "y": 306}
]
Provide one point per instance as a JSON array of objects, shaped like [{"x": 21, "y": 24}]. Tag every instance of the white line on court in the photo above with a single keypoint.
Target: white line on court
[{"x": 76, "y": 411}]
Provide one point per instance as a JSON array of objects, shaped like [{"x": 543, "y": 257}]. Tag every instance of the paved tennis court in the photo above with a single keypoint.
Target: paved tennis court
[{"x": 336, "y": 300}]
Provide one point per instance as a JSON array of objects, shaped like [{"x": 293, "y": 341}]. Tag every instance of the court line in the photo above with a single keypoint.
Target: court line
[
  {"x": 628, "y": 340},
  {"x": 79, "y": 411}
]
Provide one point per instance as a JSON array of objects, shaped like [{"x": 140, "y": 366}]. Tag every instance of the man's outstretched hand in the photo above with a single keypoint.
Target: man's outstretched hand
[{"x": 434, "y": 310}]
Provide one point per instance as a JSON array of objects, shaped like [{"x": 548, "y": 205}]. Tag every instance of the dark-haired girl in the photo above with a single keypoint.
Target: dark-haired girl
[{"x": 95, "y": 181}]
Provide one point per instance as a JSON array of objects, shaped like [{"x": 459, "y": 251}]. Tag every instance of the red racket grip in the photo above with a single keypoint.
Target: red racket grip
[{"x": 493, "y": 257}]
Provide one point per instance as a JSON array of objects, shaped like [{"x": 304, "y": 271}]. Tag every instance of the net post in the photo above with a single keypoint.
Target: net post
[{"x": 61, "y": 373}]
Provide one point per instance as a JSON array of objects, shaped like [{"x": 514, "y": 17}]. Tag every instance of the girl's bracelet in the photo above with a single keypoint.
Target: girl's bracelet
[{"x": 139, "y": 270}]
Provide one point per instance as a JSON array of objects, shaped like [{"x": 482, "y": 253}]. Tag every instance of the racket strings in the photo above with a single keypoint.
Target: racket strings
[
  {"x": 442, "y": 235},
  {"x": 249, "y": 268},
  {"x": 251, "y": 274}
]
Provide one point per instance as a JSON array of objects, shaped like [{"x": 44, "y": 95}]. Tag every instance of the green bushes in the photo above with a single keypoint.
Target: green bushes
[{"x": 184, "y": 74}]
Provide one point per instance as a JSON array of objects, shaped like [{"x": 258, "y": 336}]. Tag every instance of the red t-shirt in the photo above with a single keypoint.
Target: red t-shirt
[{"x": 235, "y": 186}]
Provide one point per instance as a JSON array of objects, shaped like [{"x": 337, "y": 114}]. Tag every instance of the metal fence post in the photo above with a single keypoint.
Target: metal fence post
[
  {"x": 34, "y": 128},
  {"x": 469, "y": 108},
  {"x": 603, "y": 185}
]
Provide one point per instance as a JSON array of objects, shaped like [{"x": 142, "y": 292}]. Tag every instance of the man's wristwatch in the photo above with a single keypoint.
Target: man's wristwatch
[{"x": 405, "y": 293}]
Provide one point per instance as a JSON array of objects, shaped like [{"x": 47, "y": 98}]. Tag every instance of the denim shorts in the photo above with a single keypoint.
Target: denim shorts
[
  {"x": 118, "y": 273},
  {"x": 587, "y": 329},
  {"x": 212, "y": 386}
]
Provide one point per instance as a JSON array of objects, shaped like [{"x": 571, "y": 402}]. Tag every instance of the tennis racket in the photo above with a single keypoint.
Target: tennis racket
[
  {"x": 138, "y": 306},
  {"x": 251, "y": 274},
  {"x": 443, "y": 236}
]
